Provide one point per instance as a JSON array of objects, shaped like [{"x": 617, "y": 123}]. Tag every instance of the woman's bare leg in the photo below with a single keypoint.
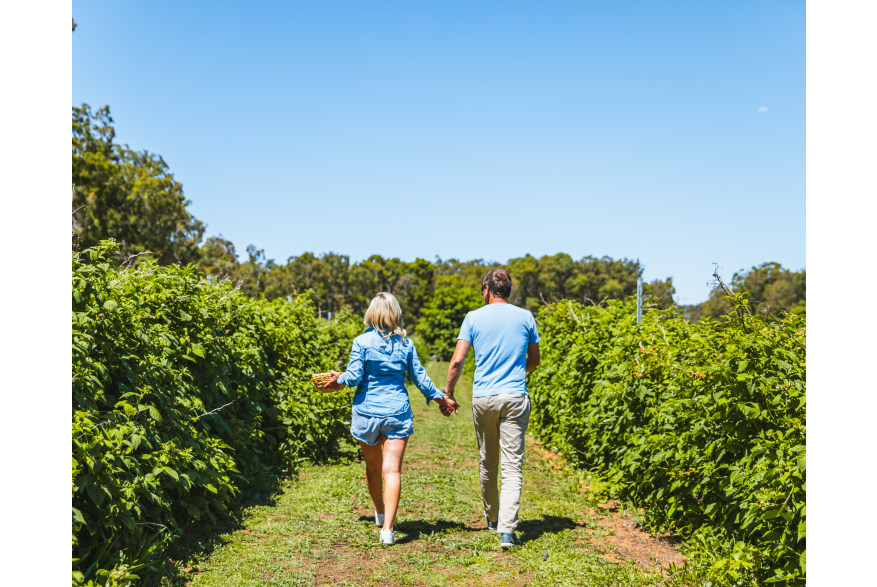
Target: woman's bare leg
[
  {"x": 373, "y": 465},
  {"x": 394, "y": 450}
]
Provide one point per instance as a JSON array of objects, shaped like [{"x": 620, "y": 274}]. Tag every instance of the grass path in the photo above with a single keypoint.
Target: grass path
[{"x": 319, "y": 529}]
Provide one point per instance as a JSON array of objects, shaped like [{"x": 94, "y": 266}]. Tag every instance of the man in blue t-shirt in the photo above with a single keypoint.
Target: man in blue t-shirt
[{"x": 506, "y": 346}]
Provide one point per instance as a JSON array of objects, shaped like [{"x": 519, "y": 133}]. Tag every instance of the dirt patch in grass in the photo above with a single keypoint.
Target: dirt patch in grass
[
  {"x": 350, "y": 567},
  {"x": 542, "y": 451},
  {"x": 631, "y": 540},
  {"x": 625, "y": 535}
]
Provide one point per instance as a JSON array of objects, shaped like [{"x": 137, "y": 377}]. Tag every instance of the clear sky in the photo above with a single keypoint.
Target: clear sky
[{"x": 672, "y": 133}]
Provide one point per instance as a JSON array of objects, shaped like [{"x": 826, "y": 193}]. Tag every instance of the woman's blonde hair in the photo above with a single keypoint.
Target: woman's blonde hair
[{"x": 385, "y": 315}]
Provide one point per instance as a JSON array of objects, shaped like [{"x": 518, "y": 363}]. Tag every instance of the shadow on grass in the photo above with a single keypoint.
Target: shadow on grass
[
  {"x": 201, "y": 539},
  {"x": 533, "y": 529},
  {"x": 527, "y": 530},
  {"x": 414, "y": 529}
]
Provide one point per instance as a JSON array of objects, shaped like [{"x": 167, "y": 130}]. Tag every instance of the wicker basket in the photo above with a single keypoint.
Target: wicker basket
[{"x": 320, "y": 379}]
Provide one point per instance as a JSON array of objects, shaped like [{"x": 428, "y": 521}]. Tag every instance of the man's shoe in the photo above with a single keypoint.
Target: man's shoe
[
  {"x": 508, "y": 540},
  {"x": 379, "y": 520},
  {"x": 388, "y": 537}
]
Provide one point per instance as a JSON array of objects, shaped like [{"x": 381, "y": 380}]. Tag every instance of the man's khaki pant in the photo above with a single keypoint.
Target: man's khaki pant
[{"x": 500, "y": 425}]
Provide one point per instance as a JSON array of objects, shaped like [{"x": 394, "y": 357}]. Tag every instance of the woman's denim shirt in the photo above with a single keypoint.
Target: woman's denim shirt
[{"x": 377, "y": 368}]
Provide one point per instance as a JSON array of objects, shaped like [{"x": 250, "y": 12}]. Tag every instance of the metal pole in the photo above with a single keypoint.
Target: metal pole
[{"x": 639, "y": 300}]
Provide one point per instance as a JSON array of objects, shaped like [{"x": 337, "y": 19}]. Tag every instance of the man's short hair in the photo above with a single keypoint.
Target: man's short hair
[{"x": 498, "y": 282}]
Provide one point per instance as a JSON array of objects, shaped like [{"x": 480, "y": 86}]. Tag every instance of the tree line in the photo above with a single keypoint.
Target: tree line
[
  {"x": 133, "y": 197},
  {"x": 772, "y": 289}
]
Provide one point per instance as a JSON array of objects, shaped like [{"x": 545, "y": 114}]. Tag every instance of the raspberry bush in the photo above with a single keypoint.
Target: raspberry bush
[
  {"x": 702, "y": 425},
  {"x": 185, "y": 393}
]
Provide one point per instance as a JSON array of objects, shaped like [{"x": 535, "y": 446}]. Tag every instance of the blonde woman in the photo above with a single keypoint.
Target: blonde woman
[{"x": 382, "y": 420}]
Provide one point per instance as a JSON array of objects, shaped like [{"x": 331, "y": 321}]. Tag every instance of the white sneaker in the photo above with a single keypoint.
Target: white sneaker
[
  {"x": 379, "y": 520},
  {"x": 388, "y": 537}
]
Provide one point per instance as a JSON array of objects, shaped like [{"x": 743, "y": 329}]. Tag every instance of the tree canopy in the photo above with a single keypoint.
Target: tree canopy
[
  {"x": 772, "y": 289},
  {"x": 443, "y": 314},
  {"x": 127, "y": 195},
  {"x": 335, "y": 282}
]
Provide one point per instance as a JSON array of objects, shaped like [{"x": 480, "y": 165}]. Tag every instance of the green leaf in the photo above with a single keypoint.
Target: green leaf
[
  {"x": 110, "y": 305},
  {"x": 156, "y": 415},
  {"x": 77, "y": 516},
  {"x": 96, "y": 494}
]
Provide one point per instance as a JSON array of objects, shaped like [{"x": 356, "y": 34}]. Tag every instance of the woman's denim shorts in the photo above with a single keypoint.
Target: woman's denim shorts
[{"x": 369, "y": 429}]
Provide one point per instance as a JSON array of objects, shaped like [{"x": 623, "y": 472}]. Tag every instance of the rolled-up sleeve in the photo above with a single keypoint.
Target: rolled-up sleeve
[
  {"x": 353, "y": 375},
  {"x": 418, "y": 375}
]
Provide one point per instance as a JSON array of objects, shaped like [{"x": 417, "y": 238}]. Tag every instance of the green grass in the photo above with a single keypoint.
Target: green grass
[{"x": 318, "y": 528}]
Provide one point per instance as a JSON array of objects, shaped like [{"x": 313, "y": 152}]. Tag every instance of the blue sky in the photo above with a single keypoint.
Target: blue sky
[{"x": 470, "y": 130}]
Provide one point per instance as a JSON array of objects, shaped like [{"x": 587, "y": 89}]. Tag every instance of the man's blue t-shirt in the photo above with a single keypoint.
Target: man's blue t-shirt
[{"x": 499, "y": 335}]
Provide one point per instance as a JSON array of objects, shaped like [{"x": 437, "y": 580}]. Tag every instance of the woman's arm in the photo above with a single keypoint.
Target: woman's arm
[
  {"x": 353, "y": 375},
  {"x": 421, "y": 379}
]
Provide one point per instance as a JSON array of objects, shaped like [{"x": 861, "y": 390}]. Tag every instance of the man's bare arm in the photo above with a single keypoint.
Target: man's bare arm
[
  {"x": 532, "y": 356},
  {"x": 455, "y": 369}
]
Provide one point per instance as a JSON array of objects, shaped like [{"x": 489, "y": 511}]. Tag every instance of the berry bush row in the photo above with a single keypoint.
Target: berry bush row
[
  {"x": 701, "y": 425},
  {"x": 185, "y": 393}
]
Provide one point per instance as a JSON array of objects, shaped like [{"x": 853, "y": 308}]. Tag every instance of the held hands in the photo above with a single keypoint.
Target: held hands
[
  {"x": 447, "y": 405},
  {"x": 333, "y": 379}
]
